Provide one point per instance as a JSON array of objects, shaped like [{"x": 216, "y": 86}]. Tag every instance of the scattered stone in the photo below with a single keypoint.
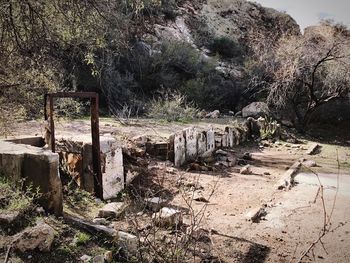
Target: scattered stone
[
  {"x": 255, "y": 110},
  {"x": 108, "y": 256},
  {"x": 232, "y": 159},
  {"x": 40, "y": 210},
  {"x": 231, "y": 113},
  {"x": 287, "y": 179},
  {"x": 309, "y": 163},
  {"x": 267, "y": 173},
  {"x": 201, "y": 114},
  {"x": 221, "y": 152},
  {"x": 245, "y": 170},
  {"x": 85, "y": 258},
  {"x": 312, "y": 149},
  {"x": 98, "y": 259},
  {"x": 265, "y": 143},
  {"x": 241, "y": 162},
  {"x": 247, "y": 156},
  {"x": 140, "y": 140},
  {"x": 9, "y": 218},
  {"x": 112, "y": 210},
  {"x": 222, "y": 163},
  {"x": 155, "y": 203},
  {"x": 222, "y": 158},
  {"x": 238, "y": 113},
  {"x": 100, "y": 221},
  {"x": 38, "y": 237},
  {"x": 198, "y": 196},
  {"x": 214, "y": 114},
  {"x": 168, "y": 217},
  {"x": 128, "y": 242},
  {"x": 256, "y": 214}
]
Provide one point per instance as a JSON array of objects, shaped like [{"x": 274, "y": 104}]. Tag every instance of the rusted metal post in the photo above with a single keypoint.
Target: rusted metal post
[
  {"x": 95, "y": 133},
  {"x": 52, "y": 125},
  {"x": 45, "y": 107}
]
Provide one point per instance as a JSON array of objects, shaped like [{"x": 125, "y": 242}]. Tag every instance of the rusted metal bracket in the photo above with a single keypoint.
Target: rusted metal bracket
[{"x": 95, "y": 133}]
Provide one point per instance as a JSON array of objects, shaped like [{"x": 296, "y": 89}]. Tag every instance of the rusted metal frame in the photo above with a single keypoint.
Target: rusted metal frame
[
  {"x": 96, "y": 157},
  {"x": 95, "y": 133},
  {"x": 83, "y": 95},
  {"x": 52, "y": 125}
]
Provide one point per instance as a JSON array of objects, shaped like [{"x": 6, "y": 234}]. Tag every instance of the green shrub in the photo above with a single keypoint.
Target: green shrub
[
  {"x": 226, "y": 47},
  {"x": 212, "y": 92},
  {"x": 81, "y": 238},
  {"x": 172, "y": 107},
  {"x": 70, "y": 108}
]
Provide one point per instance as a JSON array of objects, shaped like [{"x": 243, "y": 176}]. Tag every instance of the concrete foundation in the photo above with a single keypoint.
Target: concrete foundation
[
  {"x": 202, "y": 143},
  {"x": 191, "y": 143},
  {"x": 38, "y": 168},
  {"x": 210, "y": 140},
  {"x": 179, "y": 149},
  {"x": 111, "y": 163}
]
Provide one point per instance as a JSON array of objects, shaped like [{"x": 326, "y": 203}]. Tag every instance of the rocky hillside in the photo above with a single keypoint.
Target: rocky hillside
[
  {"x": 218, "y": 38},
  {"x": 130, "y": 51}
]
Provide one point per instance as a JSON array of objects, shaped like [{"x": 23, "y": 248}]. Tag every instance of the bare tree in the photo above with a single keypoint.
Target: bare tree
[{"x": 304, "y": 72}]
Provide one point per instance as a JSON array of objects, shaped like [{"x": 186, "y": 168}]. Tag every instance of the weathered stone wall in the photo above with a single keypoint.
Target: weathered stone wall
[
  {"x": 192, "y": 143},
  {"x": 38, "y": 168}
]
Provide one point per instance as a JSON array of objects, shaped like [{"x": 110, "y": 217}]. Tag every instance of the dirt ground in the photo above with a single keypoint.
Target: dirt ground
[{"x": 294, "y": 218}]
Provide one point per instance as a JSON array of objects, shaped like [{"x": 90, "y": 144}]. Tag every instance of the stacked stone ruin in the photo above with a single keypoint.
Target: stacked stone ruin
[{"x": 189, "y": 144}]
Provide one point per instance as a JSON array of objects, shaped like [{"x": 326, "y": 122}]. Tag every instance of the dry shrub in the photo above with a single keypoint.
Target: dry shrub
[{"x": 172, "y": 106}]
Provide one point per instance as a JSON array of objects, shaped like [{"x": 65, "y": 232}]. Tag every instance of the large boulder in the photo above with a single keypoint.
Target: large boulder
[
  {"x": 38, "y": 237},
  {"x": 255, "y": 110}
]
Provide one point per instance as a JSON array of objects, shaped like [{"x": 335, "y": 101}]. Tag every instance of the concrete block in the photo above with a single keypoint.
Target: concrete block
[
  {"x": 167, "y": 217},
  {"x": 128, "y": 242},
  {"x": 210, "y": 140},
  {"x": 155, "y": 203},
  {"x": 287, "y": 179},
  {"x": 237, "y": 135},
  {"x": 111, "y": 162},
  {"x": 218, "y": 140},
  {"x": 38, "y": 167},
  {"x": 112, "y": 210},
  {"x": 312, "y": 149},
  {"x": 231, "y": 138},
  {"x": 191, "y": 143},
  {"x": 225, "y": 142},
  {"x": 202, "y": 143},
  {"x": 179, "y": 149},
  {"x": 112, "y": 172}
]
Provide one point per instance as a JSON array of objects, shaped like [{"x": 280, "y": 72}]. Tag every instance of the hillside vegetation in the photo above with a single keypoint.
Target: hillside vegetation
[{"x": 217, "y": 54}]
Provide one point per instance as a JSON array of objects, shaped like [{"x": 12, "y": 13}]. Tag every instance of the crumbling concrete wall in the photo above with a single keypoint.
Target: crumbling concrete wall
[
  {"x": 79, "y": 148},
  {"x": 189, "y": 144},
  {"x": 38, "y": 168},
  {"x": 179, "y": 149}
]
